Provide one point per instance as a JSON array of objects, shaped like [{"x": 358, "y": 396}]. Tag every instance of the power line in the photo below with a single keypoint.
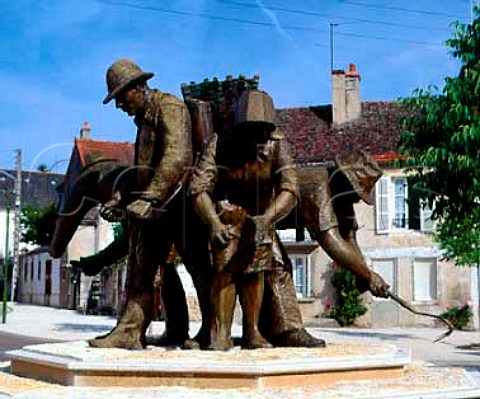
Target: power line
[
  {"x": 207, "y": 16},
  {"x": 251, "y": 22},
  {"x": 402, "y": 9},
  {"x": 332, "y": 16},
  {"x": 387, "y": 39}
]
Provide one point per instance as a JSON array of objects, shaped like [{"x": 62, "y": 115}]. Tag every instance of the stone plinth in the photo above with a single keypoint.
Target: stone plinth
[{"x": 76, "y": 364}]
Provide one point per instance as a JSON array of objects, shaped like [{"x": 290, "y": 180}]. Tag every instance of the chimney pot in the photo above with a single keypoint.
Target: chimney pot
[
  {"x": 352, "y": 71},
  {"x": 85, "y": 131},
  {"x": 346, "y": 105}
]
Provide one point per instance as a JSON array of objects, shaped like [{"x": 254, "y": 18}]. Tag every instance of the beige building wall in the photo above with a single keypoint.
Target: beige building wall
[
  {"x": 409, "y": 251},
  {"x": 87, "y": 240}
]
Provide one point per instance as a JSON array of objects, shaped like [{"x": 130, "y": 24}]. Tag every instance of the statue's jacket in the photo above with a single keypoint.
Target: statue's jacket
[
  {"x": 163, "y": 147},
  {"x": 249, "y": 184}
]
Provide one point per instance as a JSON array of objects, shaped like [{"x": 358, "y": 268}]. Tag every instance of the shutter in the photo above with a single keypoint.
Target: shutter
[{"x": 382, "y": 215}]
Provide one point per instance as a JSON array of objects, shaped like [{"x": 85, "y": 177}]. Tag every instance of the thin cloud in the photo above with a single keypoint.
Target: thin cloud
[{"x": 271, "y": 15}]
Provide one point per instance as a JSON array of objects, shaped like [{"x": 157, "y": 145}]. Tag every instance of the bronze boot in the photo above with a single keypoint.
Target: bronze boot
[
  {"x": 175, "y": 311},
  {"x": 130, "y": 330},
  {"x": 297, "y": 338}
]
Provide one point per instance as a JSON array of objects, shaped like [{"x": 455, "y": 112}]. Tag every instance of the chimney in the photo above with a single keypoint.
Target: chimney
[
  {"x": 346, "y": 105},
  {"x": 85, "y": 131},
  {"x": 352, "y": 90},
  {"x": 339, "y": 109}
]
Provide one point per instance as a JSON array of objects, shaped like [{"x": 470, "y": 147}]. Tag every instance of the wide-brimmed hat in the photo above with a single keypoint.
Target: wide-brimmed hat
[
  {"x": 362, "y": 171},
  {"x": 255, "y": 108},
  {"x": 121, "y": 74}
]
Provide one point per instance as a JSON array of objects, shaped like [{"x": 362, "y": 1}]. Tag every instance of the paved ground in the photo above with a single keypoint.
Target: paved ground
[
  {"x": 462, "y": 348},
  {"x": 37, "y": 323},
  {"x": 14, "y": 341}
]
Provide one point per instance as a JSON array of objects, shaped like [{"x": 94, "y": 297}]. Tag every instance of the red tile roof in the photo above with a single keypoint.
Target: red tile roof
[
  {"x": 313, "y": 137},
  {"x": 309, "y": 130},
  {"x": 89, "y": 150}
]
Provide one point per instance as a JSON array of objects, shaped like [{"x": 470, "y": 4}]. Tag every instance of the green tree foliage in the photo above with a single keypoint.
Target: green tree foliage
[
  {"x": 117, "y": 230},
  {"x": 349, "y": 302},
  {"x": 38, "y": 224},
  {"x": 442, "y": 143},
  {"x": 459, "y": 316}
]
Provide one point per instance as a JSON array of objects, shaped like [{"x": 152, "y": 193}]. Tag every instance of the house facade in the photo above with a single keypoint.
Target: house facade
[
  {"x": 101, "y": 292},
  {"x": 43, "y": 280},
  {"x": 394, "y": 233},
  {"x": 46, "y": 281}
]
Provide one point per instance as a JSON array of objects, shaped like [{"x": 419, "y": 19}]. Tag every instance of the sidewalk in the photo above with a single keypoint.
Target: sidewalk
[{"x": 462, "y": 348}]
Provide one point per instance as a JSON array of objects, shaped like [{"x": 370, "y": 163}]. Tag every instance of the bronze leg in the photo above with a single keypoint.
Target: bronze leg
[
  {"x": 144, "y": 255},
  {"x": 223, "y": 304},
  {"x": 251, "y": 295},
  {"x": 280, "y": 319},
  {"x": 191, "y": 241},
  {"x": 175, "y": 310}
]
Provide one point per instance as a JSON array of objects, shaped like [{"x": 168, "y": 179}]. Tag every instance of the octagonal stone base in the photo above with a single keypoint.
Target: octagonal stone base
[{"x": 76, "y": 364}]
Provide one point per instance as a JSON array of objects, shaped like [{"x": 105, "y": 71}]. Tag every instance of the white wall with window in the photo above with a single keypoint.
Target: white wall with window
[
  {"x": 301, "y": 274},
  {"x": 425, "y": 279},
  {"x": 301, "y": 263},
  {"x": 397, "y": 208}
]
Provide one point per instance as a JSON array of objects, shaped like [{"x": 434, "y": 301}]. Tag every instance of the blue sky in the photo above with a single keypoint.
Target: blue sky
[{"x": 54, "y": 55}]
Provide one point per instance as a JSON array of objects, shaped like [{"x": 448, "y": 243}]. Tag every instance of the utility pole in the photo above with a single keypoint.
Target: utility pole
[
  {"x": 17, "y": 227},
  {"x": 5, "y": 264}
]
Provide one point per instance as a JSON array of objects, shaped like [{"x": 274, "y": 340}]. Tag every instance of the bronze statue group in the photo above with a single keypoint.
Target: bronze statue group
[{"x": 219, "y": 209}]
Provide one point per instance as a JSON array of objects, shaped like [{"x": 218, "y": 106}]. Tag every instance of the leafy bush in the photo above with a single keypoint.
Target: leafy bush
[
  {"x": 349, "y": 302},
  {"x": 459, "y": 316}
]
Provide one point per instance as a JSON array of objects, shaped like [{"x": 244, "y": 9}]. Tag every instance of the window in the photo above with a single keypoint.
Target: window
[
  {"x": 25, "y": 269},
  {"x": 398, "y": 209},
  {"x": 400, "y": 202},
  {"x": 425, "y": 279},
  {"x": 39, "y": 271},
  {"x": 387, "y": 269},
  {"x": 31, "y": 271},
  {"x": 301, "y": 274}
]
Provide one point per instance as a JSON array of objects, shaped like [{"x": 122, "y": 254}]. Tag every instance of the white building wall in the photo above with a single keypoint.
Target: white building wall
[
  {"x": 3, "y": 228},
  {"x": 83, "y": 244},
  {"x": 33, "y": 286}
]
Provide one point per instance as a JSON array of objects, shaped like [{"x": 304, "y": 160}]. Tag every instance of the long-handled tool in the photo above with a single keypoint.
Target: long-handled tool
[{"x": 407, "y": 306}]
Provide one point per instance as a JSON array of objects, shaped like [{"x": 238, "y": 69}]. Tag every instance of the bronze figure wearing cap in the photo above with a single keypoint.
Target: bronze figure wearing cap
[{"x": 154, "y": 207}]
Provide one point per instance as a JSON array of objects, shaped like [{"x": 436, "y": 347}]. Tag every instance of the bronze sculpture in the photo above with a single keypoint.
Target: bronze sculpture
[
  {"x": 249, "y": 168},
  {"x": 163, "y": 157},
  {"x": 282, "y": 327},
  {"x": 327, "y": 200}
]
